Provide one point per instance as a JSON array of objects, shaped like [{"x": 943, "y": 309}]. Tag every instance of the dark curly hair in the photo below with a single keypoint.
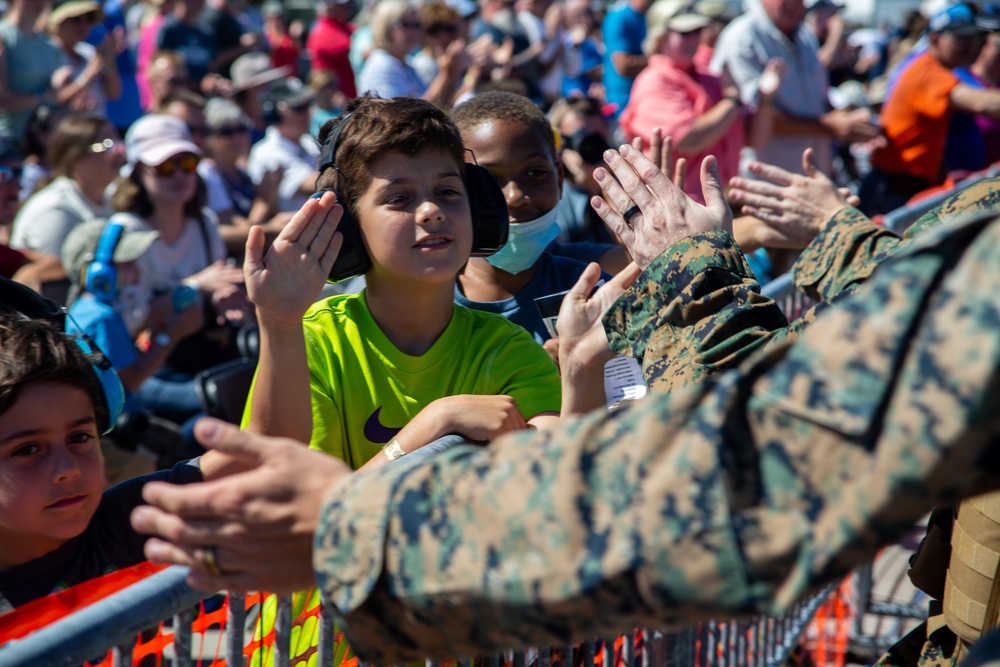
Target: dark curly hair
[
  {"x": 38, "y": 351},
  {"x": 503, "y": 106}
]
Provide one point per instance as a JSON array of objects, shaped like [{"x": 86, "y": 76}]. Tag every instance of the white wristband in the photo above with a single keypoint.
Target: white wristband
[{"x": 393, "y": 450}]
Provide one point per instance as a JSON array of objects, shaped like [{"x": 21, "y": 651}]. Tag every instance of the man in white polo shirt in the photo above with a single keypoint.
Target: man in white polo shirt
[
  {"x": 774, "y": 29},
  {"x": 287, "y": 143}
]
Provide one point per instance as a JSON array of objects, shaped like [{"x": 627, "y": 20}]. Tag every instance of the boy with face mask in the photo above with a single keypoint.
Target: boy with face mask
[{"x": 509, "y": 135}]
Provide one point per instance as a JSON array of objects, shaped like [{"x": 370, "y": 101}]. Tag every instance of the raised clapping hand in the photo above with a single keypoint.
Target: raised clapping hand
[
  {"x": 771, "y": 78},
  {"x": 259, "y": 523},
  {"x": 665, "y": 214},
  {"x": 794, "y": 207},
  {"x": 288, "y": 279}
]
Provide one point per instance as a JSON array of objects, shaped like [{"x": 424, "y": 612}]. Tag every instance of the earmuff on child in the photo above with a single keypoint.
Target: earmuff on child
[
  {"x": 490, "y": 219},
  {"x": 101, "y": 273},
  {"x": 33, "y": 306}
]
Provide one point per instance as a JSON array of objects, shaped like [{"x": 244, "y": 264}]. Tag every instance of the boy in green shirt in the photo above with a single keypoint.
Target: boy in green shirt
[{"x": 379, "y": 374}]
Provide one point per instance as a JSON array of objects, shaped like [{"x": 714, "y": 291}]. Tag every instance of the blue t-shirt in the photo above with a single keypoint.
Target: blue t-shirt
[
  {"x": 555, "y": 274},
  {"x": 106, "y": 327},
  {"x": 623, "y": 31},
  {"x": 589, "y": 54}
]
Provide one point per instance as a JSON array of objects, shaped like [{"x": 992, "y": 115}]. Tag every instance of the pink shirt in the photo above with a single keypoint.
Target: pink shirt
[
  {"x": 669, "y": 98},
  {"x": 144, "y": 52}
]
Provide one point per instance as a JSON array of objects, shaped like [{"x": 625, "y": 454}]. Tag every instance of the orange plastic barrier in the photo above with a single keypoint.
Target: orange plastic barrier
[{"x": 45, "y": 611}]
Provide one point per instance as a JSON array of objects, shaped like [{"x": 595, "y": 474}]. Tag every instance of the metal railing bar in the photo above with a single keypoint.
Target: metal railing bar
[
  {"x": 182, "y": 638},
  {"x": 114, "y": 620},
  {"x": 283, "y": 633}
]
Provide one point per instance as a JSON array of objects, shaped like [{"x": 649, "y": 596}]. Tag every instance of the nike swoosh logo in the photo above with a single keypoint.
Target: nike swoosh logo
[{"x": 376, "y": 432}]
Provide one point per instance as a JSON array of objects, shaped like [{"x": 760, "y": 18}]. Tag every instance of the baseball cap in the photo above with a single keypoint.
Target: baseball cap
[
  {"x": 75, "y": 8},
  {"x": 289, "y": 91},
  {"x": 988, "y": 19},
  {"x": 272, "y": 8},
  {"x": 723, "y": 10},
  {"x": 959, "y": 19},
  {"x": 154, "y": 139},
  {"x": 822, "y": 4},
  {"x": 254, "y": 69},
  {"x": 677, "y": 15},
  {"x": 465, "y": 8},
  {"x": 80, "y": 246}
]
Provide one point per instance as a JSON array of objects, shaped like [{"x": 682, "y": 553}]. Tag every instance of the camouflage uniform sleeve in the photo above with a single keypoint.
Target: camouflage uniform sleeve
[
  {"x": 981, "y": 196},
  {"x": 735, "y": 496},
  {"x": 694, "y": 311},
  {"x": 849, "y": 247},
  {"x": 845, "y": 253}
]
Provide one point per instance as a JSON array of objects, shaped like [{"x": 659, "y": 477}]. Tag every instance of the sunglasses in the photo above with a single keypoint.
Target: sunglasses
[
  {"x": 82, "y": 18},
  {"x": 103, "y": 146},
  {"x": 412, "y": 25},
  {"x": 9, "y": 174},
  {"x": 234, "y": 131},
  {"x": 446, "y": 29},
  {"x": 186, "y": 164},
  {"x": 197, "y": 130}
]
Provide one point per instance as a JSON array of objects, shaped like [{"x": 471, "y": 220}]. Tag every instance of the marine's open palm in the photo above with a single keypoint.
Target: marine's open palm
[{"x": 283, "y": 283}]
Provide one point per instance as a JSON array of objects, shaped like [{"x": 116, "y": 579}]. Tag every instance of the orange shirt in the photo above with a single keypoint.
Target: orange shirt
[{"x": 916, "y": 119}]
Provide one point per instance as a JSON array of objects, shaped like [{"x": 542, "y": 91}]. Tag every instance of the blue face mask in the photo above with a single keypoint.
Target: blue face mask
[{"x": 526, "y": 243}]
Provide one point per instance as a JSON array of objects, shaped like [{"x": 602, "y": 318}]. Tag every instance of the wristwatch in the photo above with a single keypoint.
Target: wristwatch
[
  {"x": 393, "y": 450},
  {"x": 163, "y": 339}
]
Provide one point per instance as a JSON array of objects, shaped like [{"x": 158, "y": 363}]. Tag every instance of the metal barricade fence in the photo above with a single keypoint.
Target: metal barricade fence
[
  {"x": 792, "y": 302},
  {"x": 900, "y": 219},
  {"x": 114, "y": 623}
]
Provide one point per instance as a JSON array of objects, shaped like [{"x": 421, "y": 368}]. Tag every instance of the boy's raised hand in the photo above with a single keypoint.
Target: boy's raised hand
[
  {"x": 582, "y": 342},
  {"x": 583, "y": 345},
  {"x": 283, "y": 283},
  {"x": 659, "y": 213}
]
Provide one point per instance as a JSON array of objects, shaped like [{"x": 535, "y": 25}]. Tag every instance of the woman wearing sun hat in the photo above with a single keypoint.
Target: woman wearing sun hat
[{"x": 89, "y": 75}]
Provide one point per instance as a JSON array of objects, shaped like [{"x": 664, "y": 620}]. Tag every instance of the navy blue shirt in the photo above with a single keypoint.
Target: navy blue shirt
[
  {"x": 555, "y": 274},
  {"x": 109, "y": 543}
]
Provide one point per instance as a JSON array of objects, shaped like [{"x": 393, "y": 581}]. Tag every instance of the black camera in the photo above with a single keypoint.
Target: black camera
[{"x": 590, "y": 145}]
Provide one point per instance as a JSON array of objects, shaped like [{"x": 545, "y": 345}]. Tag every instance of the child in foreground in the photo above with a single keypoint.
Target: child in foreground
[{"x": 58, "y": 526}]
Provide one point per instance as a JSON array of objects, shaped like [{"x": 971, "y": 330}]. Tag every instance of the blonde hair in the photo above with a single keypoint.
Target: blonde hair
[{"x": 387, "y": 14}]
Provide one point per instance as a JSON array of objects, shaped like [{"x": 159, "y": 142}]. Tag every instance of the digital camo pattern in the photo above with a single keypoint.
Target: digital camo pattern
[
  {"x": 930, "y": 644},
  {"x": 850, "y": 246},
  {"x": 663, "y": 320},
  {"x": 737, "y": 495}
]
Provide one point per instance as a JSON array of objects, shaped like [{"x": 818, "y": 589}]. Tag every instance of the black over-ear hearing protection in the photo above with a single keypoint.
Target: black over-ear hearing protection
[
  {"x": 24, "y": 300},
  {"x": 490, "y": 221}
]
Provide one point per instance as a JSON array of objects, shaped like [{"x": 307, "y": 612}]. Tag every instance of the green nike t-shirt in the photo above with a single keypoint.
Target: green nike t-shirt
[{"x": 364, "y": 390}]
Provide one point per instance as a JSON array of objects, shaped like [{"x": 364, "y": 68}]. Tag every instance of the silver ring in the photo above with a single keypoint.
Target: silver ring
[
  {"x": 629, "y": 212},
  {"x": 210, "y": 559}
]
